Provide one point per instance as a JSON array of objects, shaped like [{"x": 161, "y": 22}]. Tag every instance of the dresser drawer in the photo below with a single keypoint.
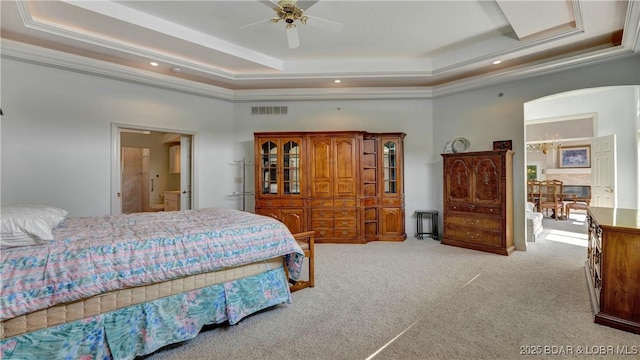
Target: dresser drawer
[
  {"x": 268, "y": 203},
  {"x": 472, "y": 208},
  {"x": 392, "y": 202},
  {"x": 320, "y": 213},
  {"x": 480, "y": 223},
  {"x": 345, "y": 223},
  {"x": 322, "y": 223},
  {"x": 473, "y": 235},
  {"x": 321, "y": 203},
  {"x": 292, "y": 202},
  {"x": 345, "y": 213},
  {"x": 344, "y": 203},
  {"x": 345, "y": 233},
  {"x": 279, "y": 203},
  {"x": 323, "y": 233}
]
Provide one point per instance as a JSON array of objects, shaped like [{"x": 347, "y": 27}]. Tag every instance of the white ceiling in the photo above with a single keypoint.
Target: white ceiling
[{"x": 410, "y": 48}]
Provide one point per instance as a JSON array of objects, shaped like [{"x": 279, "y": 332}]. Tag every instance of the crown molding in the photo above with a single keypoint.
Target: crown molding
[
  {"x": 34, "y": 54},
  {"x": 38, "y": 55}
]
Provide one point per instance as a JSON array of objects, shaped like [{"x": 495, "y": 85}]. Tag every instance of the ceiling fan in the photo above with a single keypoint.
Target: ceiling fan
[{"x": 292, "y": 12}]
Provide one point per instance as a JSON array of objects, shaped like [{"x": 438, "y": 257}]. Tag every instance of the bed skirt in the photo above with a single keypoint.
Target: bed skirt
[{"x": 127, "y": 323}]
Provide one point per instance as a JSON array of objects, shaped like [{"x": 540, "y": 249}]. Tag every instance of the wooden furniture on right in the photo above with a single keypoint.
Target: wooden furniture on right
[
  {"x": 613, "y": 267},
  {"x": 478, "y": 200}
]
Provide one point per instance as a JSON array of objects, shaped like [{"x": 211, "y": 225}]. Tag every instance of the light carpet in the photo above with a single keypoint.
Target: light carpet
[{"x": 419, "y": 299}]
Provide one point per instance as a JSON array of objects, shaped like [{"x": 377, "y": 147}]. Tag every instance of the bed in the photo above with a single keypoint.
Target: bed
[{"x": 117, "y": 287}]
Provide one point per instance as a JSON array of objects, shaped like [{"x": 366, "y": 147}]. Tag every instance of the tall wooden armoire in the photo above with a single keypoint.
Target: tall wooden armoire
[
  {"x": 478, "y": 200},
  {"x": 347, "y": 186}
]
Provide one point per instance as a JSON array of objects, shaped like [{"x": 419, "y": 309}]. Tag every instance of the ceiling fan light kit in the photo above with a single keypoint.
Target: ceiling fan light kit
[{"x": 289, "y": 12}]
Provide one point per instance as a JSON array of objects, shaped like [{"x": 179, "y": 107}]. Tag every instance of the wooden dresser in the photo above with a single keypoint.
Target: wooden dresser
[
  {"x": 347, "y": 186},
  {"x": 613, "y": 267},
  {"x": 478, "y": 201}
]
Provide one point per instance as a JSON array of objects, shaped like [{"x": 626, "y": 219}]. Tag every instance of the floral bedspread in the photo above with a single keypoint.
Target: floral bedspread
[{"x": 92, "y": 255}]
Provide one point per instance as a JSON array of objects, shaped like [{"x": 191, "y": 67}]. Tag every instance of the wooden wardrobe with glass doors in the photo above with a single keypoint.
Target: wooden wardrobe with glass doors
[{"x": 347, "y": 186}]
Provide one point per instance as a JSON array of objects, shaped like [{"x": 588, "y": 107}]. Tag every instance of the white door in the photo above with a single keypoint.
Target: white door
[
  {"x": 603, "y": 171},
  {"x": 185, "y": 172}
]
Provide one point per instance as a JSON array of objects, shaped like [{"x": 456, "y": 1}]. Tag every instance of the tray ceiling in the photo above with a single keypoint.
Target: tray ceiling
[{"x": 229, "y": 48}]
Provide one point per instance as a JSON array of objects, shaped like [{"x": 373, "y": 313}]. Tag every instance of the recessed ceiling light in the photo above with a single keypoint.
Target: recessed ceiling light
[
  {"x": 176, "y": 69},
  {"x": 337, "y": 81},
  {"x": 497, "y": 62},
  {"x": 153, "y": 63}
]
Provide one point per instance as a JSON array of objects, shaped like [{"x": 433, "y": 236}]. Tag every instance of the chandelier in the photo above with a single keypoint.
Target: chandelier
[
  {"x": 289, "y": 12},
  {"x": 544, "y": 147}
]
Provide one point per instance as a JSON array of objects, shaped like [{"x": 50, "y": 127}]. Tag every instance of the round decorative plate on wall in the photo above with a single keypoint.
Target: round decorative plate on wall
[{"x": 460, "y": 144}]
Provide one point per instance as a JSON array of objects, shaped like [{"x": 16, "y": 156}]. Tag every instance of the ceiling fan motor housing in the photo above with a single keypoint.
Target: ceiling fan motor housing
[{"x": 289, "y": 12}]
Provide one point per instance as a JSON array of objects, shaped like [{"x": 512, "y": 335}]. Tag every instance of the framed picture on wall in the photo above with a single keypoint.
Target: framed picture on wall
[{"x": 575, "y": 156}]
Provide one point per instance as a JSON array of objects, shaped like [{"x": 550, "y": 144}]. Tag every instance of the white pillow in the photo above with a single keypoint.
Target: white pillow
[{"x": 23, "y": 225}]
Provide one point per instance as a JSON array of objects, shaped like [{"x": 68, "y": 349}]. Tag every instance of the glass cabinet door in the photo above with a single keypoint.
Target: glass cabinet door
[
  {"x": 291, "y": 168},
  {"x": 389, "y": 167},
  {"x": 280, "y": 172},
  {"x": 269, "y": 167}
]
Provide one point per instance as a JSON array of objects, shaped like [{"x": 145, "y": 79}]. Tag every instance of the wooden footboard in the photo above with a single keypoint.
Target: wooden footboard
[{"x": 306, "y": 242}]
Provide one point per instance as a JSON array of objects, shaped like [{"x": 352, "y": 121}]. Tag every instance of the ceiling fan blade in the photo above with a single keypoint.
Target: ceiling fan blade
[
  {"x": 292, "y": 37},
  {"x": 302, "y": 4},
  {"x": 305, "y": 4},
  {"x": 325, "y": 24},
  {"x": 270, "y": 3},
  {"x": 256, "y": 23}
]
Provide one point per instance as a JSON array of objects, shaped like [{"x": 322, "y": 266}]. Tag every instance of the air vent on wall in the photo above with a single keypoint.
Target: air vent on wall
[{"x": 269, "y": 110}]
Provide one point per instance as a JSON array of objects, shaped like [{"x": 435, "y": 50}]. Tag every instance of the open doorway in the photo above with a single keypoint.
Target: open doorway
[
  {"x": 616, "y": 111},
  {"x": 152, "y": 170},
  {"x": 547, "y": 142}
]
